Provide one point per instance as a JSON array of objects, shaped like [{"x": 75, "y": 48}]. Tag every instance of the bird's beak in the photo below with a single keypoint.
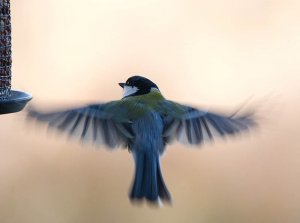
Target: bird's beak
[{"x": 122, "y": 85}]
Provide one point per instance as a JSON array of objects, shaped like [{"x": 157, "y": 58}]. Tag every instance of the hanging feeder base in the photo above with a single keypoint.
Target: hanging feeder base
[{"x": 15, "y": 102}]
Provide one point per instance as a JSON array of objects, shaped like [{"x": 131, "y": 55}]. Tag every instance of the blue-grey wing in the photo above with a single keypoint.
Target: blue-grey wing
[
  {"x": 99, "y": 123},
  {"x": 192, "y": 126}
]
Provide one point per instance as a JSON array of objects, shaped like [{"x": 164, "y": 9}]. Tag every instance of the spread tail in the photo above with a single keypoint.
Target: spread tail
[{"x": 148, "y": 181}]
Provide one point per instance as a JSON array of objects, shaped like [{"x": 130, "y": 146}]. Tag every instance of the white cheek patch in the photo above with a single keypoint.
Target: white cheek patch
[{"x": 128, "y": 90}]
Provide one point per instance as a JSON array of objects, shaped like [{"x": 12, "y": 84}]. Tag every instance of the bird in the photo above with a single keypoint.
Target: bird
[{"x": 144, "y": 122}]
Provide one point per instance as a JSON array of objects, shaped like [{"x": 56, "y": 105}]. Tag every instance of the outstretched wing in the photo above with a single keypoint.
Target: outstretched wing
[
  {"x": 100, "y": 123},
  {"x": 192, "y": 126}
]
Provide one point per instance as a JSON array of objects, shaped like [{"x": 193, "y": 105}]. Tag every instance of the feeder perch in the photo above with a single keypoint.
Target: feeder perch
[{"x": 10, "y": 100}]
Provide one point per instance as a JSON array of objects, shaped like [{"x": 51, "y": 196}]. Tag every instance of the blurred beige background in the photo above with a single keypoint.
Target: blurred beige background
[{"x": 205, "y": 53}]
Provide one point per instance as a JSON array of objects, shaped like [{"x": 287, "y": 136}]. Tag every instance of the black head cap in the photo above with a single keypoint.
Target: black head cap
[
  {"x": 143, "y": 84},
  {"x": 140, "y": 82}
]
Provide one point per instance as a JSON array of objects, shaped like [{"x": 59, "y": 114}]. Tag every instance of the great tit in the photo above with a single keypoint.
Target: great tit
[{"x": 144, "y": 122}]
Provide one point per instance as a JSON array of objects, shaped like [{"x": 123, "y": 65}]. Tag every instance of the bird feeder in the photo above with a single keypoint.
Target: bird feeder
[{"x": 10, "y": 100}]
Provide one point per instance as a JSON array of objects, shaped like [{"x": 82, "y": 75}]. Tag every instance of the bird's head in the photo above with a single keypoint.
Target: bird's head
[{"x": 137, "y": 85}]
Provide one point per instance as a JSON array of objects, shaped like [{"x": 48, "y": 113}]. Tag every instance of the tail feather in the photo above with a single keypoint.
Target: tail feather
[
  {"x": 148, "y": 181},
  {"x": 163, "y": 192}
]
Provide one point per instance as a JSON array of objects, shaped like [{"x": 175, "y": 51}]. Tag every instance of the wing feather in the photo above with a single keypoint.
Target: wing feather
[
  {"x": 193, "y": 126},
  {"x": 93, "y": 123}
]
